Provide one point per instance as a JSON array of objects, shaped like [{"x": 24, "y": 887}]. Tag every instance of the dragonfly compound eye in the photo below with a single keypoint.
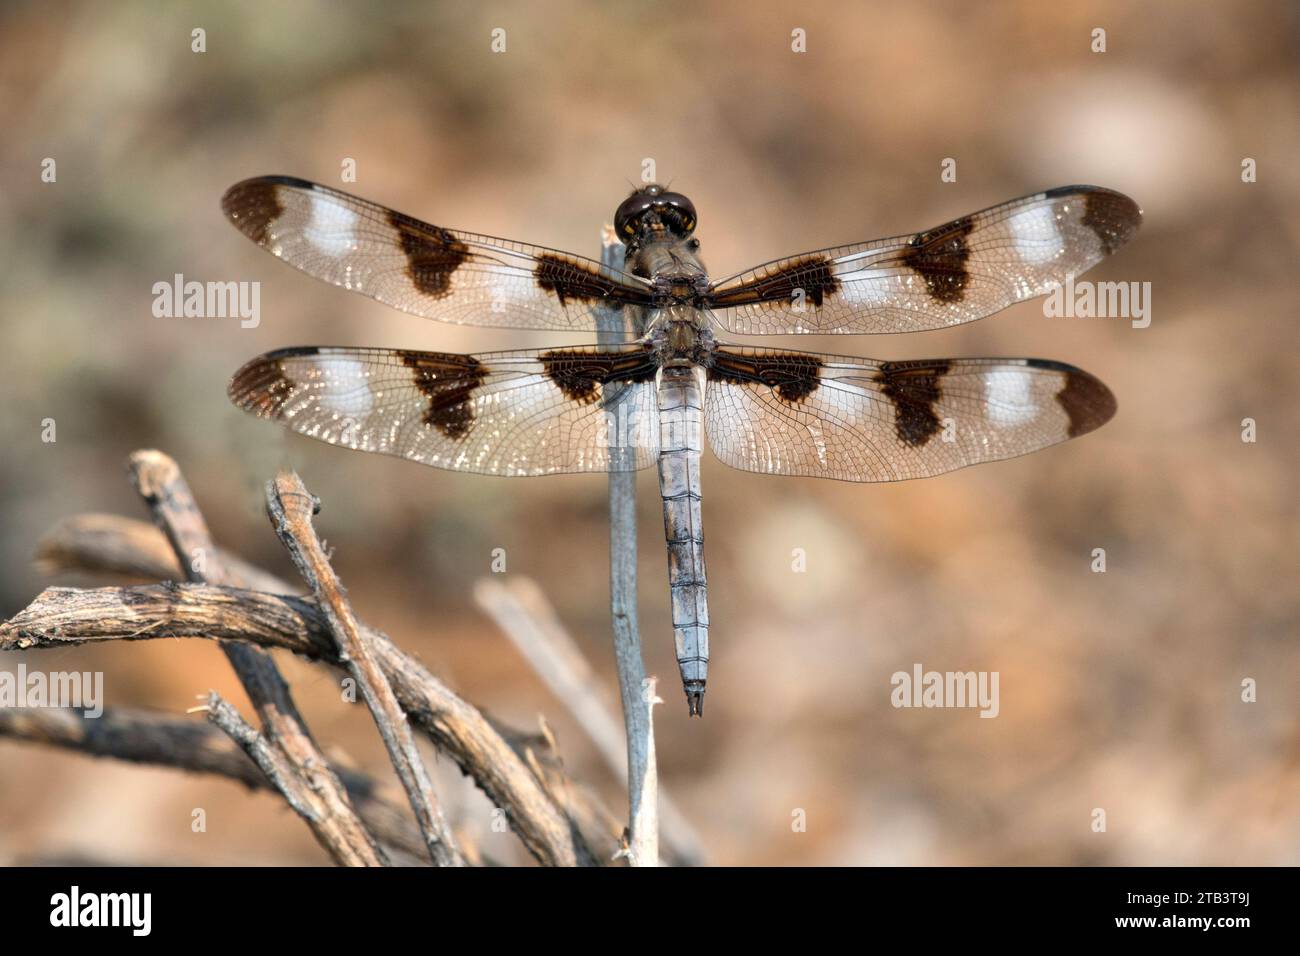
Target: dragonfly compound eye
[{"x": 672, "y": 211}]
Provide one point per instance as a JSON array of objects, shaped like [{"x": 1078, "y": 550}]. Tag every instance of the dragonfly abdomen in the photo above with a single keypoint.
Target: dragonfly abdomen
[{"x": 681, "y": 428}]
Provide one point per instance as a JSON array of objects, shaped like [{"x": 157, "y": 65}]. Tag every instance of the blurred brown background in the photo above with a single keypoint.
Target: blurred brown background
[{"x": 1118, "y": 690}]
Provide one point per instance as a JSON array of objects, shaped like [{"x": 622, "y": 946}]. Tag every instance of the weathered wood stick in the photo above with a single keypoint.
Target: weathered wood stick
[
  {"x": 329, "y": 813},
  {"x": 59, "y": 617},
  {"x": 290, "y": 507},
  {"x": 147, "y": 737}
]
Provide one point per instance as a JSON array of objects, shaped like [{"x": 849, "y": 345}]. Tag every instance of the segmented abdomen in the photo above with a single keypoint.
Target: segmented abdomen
[{"x": 681, "y": 432}]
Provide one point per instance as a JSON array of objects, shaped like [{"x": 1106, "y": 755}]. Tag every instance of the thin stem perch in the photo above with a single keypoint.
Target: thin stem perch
[{"x": 642, "y": 775}]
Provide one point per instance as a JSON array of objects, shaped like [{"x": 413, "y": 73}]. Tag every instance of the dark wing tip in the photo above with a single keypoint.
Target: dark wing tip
[
  {"x": 1086, "y": 400},
  {"x": 1112, "y": 216},
  {"x": 254, "y": 204},
  {"x": 261, "y": 385},
  {"x": 262, "y": 182}
]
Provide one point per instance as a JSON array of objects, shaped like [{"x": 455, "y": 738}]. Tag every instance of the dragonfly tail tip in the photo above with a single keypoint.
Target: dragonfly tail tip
[{"x": 695, "y": 701}]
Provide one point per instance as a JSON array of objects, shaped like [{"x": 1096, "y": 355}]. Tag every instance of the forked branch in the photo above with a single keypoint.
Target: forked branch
[
  {"x": 520, "y": 774},
  {"x": 288, "y": 746},
  {"x": 60, "y": 617}
]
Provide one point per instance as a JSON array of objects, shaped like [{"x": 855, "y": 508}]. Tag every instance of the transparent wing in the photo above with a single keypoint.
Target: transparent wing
[
  {"x": 536, "y": 412},
  {"x": 829, "y": 416},
  {"x": 958, "y": 272},
  {"x": 426, "y": 270}
]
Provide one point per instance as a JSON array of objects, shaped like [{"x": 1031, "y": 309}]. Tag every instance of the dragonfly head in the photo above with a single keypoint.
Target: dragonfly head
[{"x": 654, "y": 211}]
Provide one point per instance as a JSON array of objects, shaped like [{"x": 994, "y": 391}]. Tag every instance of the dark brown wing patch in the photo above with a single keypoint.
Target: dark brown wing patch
[
  {"x": 579, "y": 374},
  {"x": 253, "y": 207},
  {"x": 432, "y": 254},
  {"x": 792, "y": 376},
  {"x": 1087, "y": 402},
  {"x": 914, "y": 389},
  {"x": 448, "y": 382},
  {"x": 812, "y": 274},
  {"x": 939, "y": 257},
  {"x": 261, "y": 386},
  {"x": 570, "y": 280},
  {"x": 1112, "y": 216}
]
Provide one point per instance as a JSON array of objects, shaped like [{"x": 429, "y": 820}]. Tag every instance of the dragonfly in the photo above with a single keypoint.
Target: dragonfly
[{"x": 659, "y": 380}]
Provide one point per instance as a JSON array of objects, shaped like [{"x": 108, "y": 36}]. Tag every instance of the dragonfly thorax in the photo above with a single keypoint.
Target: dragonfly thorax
[
  {"x": 676, "y": 335},
  {"x": 680, "y": 289}
]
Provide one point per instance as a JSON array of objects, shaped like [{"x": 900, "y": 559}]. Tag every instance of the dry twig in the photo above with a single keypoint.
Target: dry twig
[
  {"x": 101, "y": 544},
  {"x": 145, "y": 737},
  {"x": 159, "y": 481},
  {"x": 317, "y": 805},
  {"x": 290, "y": 508},
  {"x": 63, "y": 616},
  {"x": 123, "y": 545},
  {"x": 550, "y": 819}
]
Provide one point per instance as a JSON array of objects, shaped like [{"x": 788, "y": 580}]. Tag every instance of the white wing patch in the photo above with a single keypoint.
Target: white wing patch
[
  {"x": 343, "y": 387},
  {"x": 1009, "y": 397},
  {"x": 1036, "y": 234},
  {"x": 332, "y": 227}
]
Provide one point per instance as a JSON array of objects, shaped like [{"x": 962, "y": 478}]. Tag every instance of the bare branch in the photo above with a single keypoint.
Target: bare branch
[
  {"x": 158, "y": 479},
  {"x": 144, "y": 737},
  {"x": 62, "y": 616},
  {"x": 290, "y": 508},
  {"x": 459, "y": 730},
  {"x": 111, "y": 544},
  {"x": 336, "y": 827},
  {"x": 520, "y": 609}
]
